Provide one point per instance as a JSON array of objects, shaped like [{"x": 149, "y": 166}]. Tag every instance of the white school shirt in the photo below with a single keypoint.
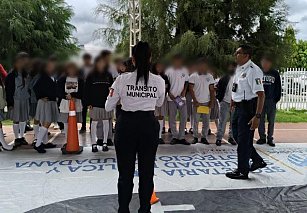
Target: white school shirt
[
  {"x": 177, "y": 78},
  {"x": 201, "y": 86},
  {"x": 228, "y": 92},
  {"x": 248, "y": 78},
  {"x": 136, "y": 97}
]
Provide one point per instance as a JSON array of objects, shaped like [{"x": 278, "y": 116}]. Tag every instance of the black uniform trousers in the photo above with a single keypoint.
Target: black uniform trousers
[
  {"x": 136, "y": 135},
  {"x": 246, "y": 111}
]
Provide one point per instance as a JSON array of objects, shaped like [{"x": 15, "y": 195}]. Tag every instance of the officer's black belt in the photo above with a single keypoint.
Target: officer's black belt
[
  {"x": 245, "y": 103},
  {"x": 138, "y": 113}
]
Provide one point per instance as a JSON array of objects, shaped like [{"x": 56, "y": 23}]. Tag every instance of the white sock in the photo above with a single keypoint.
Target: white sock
[
  {"x": 41, "y": 135},
  {"x": 106, "y": 126},
  {"x": 16, "y": 130},
  {"x": 161, "y": 127},
  {"x": 65, "y": 129},
  {"x": 22, "y": 128},
  {"x": 46, "y": 139},
  {"x": 2, "y": 141},
  {"x": 36, "y": 129},
  {"x": 94, "y": 131}
]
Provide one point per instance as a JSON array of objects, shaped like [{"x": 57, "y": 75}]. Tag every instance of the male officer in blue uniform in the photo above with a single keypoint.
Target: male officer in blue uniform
[{"x": 248, "y": 97}]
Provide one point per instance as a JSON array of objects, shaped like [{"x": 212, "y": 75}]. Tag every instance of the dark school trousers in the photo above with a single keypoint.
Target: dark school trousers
[
  {"x": 136, "y": 137},
  {"x": 246, "y": 150},
  {"x": 269, "y": 112}
]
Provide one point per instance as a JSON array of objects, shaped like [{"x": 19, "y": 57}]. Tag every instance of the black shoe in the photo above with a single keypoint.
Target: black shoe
[
  {"x": 218, "y": 142},
  {"x": 237, "y": 175},
  {"x": 28, "y": 128},
  {"x": 256, "y": 166},
  {"x": 49, "y": 133},
  {"x": 174, "y": 141},
  {"x": 169, "y": 130},
  {"x": 23, "y": 141},
  {"x": 105, "y": 148},
  {"x": 261, "y": 141},
  {"x": 184, "y": 142},
  {"x": 204, "y": 141},
  {"x": 110, "y": 142},
  {"x": 191, "y": 130},
  {"x": 185, "y": 131},
  {"x": 40, "y": 149},
  {"x": 209, "y": 132},
  {"x": 163, "y": 130},
  {"x": 99, "y": 142},
  {"x": 94, "y": 148},
  {"x": 34, "y": 142},
  {"x": 17, "y": 142},
  {"x": 82, "y": 130},
  {"x": 113, "y": 130},
  {"x": 49, "y": 146},
  {"x": 271, "y": 143},
  {"x": 232, "y": 141},
  {"x": 161, "y": 141},
  {"x": 195, "y": 141}
]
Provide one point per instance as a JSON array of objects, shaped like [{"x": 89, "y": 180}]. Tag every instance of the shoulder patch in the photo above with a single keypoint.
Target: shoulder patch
[{"x": 258, "y": 81}]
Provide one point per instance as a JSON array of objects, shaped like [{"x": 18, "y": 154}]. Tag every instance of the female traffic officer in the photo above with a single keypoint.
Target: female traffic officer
[{"x": 137, "y": 129}]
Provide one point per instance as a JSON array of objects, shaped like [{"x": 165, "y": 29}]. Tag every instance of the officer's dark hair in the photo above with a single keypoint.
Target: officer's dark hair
[
  {"x": 248, "y": 50},
  {"x": 142, "y": 55},
  {"x": 86, "y": 56}
]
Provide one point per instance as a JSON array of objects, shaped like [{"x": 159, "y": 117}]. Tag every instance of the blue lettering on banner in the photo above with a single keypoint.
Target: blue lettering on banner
[{"x": 172, "y": 165}]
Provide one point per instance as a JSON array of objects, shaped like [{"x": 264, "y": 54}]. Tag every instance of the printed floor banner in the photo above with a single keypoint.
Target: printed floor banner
[{"x": 187, "y": 179}]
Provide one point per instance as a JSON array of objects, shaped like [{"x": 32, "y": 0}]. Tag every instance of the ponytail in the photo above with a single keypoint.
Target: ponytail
[{"x": 142, "y": 55}]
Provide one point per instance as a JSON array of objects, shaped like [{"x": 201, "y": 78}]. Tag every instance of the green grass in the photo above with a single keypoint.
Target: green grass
[{"x": 282, "y": 116}]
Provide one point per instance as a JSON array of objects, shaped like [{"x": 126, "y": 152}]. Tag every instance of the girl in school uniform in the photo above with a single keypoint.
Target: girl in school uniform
[
  {"x": 97, "y": 87},
  {"x": 160, "y": 112},
  {"x": 4, "y": 145},
  {"x": 17, "y": 97},
  {"x": 70, "y": 87},
  {"x": 47, "y": 108},
  {"x": 34, "y": 76}
]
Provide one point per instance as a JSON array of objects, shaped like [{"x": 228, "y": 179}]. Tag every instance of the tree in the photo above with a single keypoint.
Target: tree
[
  {"x": 38, "y": 27},
  {"x": 211, "y": 28}
]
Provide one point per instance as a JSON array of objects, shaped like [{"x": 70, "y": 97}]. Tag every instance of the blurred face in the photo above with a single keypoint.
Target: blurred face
[
  {"x": 177, "y": 63},
  {"x": 231, "y": 69},
  {"x": 241, "y": 57},
  {"x": 203, "y": 68},
  {"x": 50, "y": 67},
  {"x": 160, "y": 68},
  {"x": 87, "y": 62},
  {"x": 72, "y": 71},
  {"x": 100, "y": 65},
  {"x": 192, "y": 69},
  {"x": 266, "y": 65}
]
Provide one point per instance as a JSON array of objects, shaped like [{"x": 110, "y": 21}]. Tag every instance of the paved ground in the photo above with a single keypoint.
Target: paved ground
[{"x": 284, "y": 133}]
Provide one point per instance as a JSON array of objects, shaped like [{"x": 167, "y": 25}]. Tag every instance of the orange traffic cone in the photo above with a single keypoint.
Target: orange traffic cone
[
  {"x": 154, "y": 199},
  {"x": 72, "y": 145}
]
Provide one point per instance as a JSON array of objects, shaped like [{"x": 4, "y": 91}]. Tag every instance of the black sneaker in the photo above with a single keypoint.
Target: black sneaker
[
  {"x": 184, "y": 142},
  {"x": 210, "y": 132},
  {"x": 204, "y": 141},
  {"x": 163, "y": 130},
  {"x": 191, "y": 130},
  {"x": 271, "y": 143},
  {"x": 94, "y": 148},
  {"x": 34, "y": 142},
  {"x": 110, "y": 142},
  {"x": 186, "y": 131},
  {"x": 28, "y": 128},
  {"x": 17, "y": 142},
  {"x": 23, "y": 141},
  {"x": 105, "y": 148},
  {"x": 82, "y": 130},
  {"x": 161, "y": 141},
  {"x": 99, "y": 142},
  {"x": 218, "y": 142},
  {"x": 169, "y": 130},
  {"x": 237, "y": 175},
  {"x": 256, "y": 166},
  {"x": 40, "y": 149},
  {"x": 195, "y": 141},
  {"x": 261, "y": 141},
  {"x": 174, "y": 141},
  {"x": 232, "y": 141},
  {"x": 49, "y": 146}
]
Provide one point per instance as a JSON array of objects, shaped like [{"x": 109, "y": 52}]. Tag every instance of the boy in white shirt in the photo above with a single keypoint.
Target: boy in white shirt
[
  {"x": 201, "y": 87},
  {"x": 178, "y": 77}
]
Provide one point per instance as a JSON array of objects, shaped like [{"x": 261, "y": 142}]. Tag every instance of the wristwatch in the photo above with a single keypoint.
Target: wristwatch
[{"x": 258, "y": 115}]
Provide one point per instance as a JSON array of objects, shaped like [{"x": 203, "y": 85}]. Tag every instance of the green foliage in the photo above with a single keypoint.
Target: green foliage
[
  {"x": 299, "y": 56},
  {"x": 211, "y": 28},
  {"x": 39, "y": 27}
]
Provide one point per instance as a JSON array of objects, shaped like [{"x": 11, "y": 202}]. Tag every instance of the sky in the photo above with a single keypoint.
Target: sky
[{"x": 86, "y": 22}]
